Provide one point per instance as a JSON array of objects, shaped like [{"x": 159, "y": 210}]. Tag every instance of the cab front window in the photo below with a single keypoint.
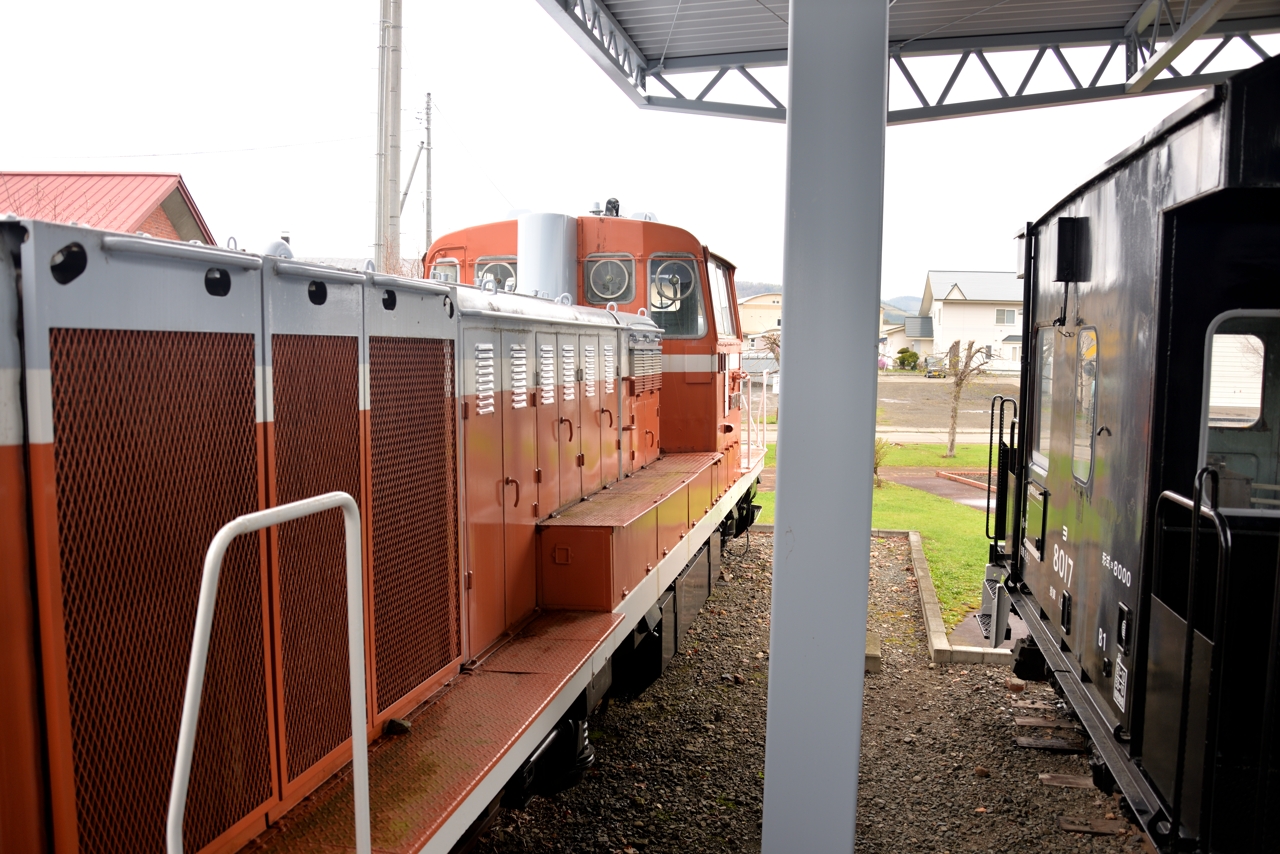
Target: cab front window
[
  {"x": 675, "y": 296},
  {"x": 500, "y": 269},
  {"x": 445, "y": 270}
]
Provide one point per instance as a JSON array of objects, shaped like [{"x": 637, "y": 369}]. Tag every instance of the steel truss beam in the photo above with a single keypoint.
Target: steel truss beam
[
  {"x": 1156, "y": 57},
  {"x": 1151, "y": 41}
]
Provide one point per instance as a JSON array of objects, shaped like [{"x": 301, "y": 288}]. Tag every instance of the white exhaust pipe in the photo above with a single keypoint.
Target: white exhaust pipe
[{"x": 547, "y": 255}]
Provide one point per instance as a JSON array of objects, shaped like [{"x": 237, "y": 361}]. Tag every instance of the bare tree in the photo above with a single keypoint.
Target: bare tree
[
  {"x": 773, "y": 343},
  {"x": 408, "y": 268},
  {"x": 963, "y": 371}
]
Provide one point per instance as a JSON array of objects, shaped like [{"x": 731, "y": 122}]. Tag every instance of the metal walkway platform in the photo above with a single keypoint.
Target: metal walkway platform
[{"x": 419, "y": 779}]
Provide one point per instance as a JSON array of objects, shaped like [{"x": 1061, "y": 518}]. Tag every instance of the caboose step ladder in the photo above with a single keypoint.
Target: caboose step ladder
[
  {"x": 994, "y": 614},
  {"x": 247, "y": 524}
]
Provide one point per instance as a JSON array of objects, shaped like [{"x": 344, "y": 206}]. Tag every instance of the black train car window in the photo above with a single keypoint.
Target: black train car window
[
  {"x": 1086, "y": 405},
  {"x": 1240, "y": 411},
  {"x": 1044, "y": 391}
]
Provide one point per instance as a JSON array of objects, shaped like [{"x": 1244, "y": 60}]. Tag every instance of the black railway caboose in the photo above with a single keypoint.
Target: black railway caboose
[{"x": 1138, "y": 514}]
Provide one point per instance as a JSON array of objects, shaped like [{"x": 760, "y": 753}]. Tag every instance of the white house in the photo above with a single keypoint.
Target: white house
[
  {"x": 893, "y": 335},
  {"x": 979, "y": 306},
  {"x": 759, "y": 315}
]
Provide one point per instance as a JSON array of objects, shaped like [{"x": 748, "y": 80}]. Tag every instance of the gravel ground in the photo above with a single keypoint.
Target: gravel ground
[
  {"x": 681, "y": 768},
  {"x": 940, "y": 770}
]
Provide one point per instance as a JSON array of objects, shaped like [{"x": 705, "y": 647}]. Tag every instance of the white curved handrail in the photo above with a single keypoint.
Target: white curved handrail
[{"x": 246, "y": 524}]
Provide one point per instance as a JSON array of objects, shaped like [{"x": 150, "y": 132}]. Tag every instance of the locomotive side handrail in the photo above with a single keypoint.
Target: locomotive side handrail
[
  {"x": 249, "y": 523},
  {"x": 1198, "y": 510}
]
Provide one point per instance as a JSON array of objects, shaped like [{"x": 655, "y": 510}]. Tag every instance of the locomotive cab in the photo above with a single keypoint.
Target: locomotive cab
[{"x": 638, "y": 267}]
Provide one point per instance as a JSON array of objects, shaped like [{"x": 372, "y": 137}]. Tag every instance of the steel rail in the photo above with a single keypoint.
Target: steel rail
[
  {"x": 1142, "y": 798},
  {"x": 246, "y": 524}
]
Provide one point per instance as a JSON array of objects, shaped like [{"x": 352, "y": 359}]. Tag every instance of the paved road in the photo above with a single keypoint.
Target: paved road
[
  {"x": 926, "y": 479},
  {"x": 900, "y": 435},
  {"x": 908, "y": 436}
]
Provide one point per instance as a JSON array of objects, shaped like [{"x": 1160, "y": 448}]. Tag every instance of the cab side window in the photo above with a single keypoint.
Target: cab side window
[{"x": 721, "y": 308}]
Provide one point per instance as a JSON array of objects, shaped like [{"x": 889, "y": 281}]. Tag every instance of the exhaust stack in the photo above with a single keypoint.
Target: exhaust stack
[{"x": 547, "y": 255}]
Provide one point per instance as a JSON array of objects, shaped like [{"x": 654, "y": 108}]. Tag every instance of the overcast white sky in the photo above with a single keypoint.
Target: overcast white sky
[{"x": 268, "y": 111}]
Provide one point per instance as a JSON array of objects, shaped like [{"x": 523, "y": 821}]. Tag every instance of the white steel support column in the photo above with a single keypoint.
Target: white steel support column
[{"x": 831, "y": 275}]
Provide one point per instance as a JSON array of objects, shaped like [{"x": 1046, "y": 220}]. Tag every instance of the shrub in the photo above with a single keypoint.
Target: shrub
[
  {"x": 907, "y": 358},
  {"x": 882, "y": 450}
]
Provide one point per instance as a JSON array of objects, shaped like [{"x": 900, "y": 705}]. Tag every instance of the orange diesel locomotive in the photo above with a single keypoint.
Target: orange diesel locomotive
[
  {"x": 543, "y": 464},
  {"x": 632, "y": 266}
]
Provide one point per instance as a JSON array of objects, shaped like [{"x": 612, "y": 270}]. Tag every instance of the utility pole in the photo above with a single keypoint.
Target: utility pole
[
  {"x": 391, "y": 194},
  {"x": 428, "y": 202},
  {"x": 380, "y": 157},
  {"x": 386, "y": 232}
]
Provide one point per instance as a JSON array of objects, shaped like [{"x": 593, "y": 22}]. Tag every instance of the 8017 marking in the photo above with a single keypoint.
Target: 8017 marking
[{"x": 1063, "y": 565}]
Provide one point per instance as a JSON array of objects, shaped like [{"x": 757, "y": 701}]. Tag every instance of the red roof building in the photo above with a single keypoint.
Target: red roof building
[{"x": 157, "y": 204}]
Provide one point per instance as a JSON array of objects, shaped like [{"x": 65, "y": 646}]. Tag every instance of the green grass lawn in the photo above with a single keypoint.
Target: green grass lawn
[
  {"x": 955, "y": 543},
  {"x": 967, "y": 456},
  {"x": 926, "y": 456},
  {"x": 767, "y": 502}
]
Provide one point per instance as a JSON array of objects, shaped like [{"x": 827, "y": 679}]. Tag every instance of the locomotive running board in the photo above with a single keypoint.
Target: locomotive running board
[
  {"x": 1142, "y": 798},
  {"x": 406, "y": 784}
]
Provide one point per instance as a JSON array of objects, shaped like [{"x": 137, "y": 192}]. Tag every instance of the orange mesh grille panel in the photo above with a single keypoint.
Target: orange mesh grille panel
[
  {"x": 156, "y": 448},
  {"x": 316, "y": 449},
  {"x": 414, "y": 513}
]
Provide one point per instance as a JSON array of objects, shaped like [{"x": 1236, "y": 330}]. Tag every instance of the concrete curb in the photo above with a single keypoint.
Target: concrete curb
[
  {"x": 940, "y": 649},
  {"x": 958, "y": 477}
]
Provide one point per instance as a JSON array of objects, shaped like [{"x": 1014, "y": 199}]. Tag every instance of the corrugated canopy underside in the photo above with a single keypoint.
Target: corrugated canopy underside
[{"x": 711, "y": 27}]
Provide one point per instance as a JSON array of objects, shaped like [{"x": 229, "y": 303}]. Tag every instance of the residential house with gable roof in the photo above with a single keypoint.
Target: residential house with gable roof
[
  {"x": 154, "y": 203},
  {"x": 967, "y": 305}
]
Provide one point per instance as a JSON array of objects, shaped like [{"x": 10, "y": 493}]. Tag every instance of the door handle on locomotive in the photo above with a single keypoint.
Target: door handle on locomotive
[
  {"x": 653, "y": 437},
  {"x": 510, "y": 481},
  {"x": 570, "y": 423},
  {"x": 610, "y": 411}
]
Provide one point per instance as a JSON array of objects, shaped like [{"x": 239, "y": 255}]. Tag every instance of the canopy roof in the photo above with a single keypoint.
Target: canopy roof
[{"x": 642, "y": 43}]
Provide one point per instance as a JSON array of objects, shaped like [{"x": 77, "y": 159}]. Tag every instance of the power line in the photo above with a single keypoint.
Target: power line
[{"x": 209, "y": 151}]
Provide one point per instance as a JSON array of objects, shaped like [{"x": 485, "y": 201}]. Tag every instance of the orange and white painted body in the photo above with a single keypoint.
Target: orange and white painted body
[
  {"x": 541, "y": 479},
  {"x": 632, "y": 262}
]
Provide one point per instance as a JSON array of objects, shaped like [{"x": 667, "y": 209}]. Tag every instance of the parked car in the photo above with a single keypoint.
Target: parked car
[{"x": 935, "y": 367}]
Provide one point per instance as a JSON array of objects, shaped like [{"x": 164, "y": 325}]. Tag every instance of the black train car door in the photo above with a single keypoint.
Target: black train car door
[{"x": 1042, "y": 420}]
